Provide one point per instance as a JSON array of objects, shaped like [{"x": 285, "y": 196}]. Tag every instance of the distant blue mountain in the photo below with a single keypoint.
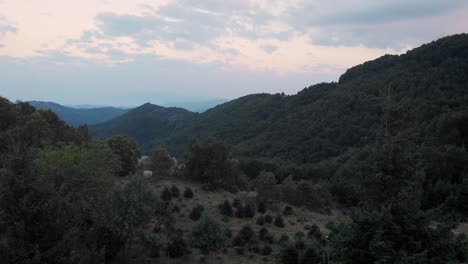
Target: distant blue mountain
[{"x": 75, "y": 117}]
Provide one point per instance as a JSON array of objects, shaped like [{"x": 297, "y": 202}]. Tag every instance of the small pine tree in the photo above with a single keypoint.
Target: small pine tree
[
  {"x": 175, "y": 191},
  {"x": 240, "y": 211},
  {"x": 188, "y": 193},
  {"x": 177, "y": 248},
  {"x": 260, "y": 220},
  {"x": 226, "y": 208},
  {"x": 266, "y": 250},
  {"x": 196, "y": 212},
  {"x": 261, "y": 208},
  {"x": 263, "y": 233},
  {"x": 288, "y": 210},
  {"x": 279, "y": 221},
  {"x": 246, "y": 233},
  {"x": 249, "y": 211},
  {"x": 166, "y": 195},
  {"x": 268, "y": 219},
  {"x": 236, "y": 203}
]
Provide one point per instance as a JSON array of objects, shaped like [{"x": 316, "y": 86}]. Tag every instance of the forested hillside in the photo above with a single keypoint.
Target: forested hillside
[
  {"x": 420, "y": 96},
  {"x": 147, "y": 124},
  {"x": 76, "y": 117}
]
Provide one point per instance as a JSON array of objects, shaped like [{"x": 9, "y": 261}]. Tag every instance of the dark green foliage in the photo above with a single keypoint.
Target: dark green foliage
[
  {"x": 268, "y": 219},
  {"x": 208, "y": 235},
  {"x": 265, "y": 185},
  {"x": 162, "y": 163},
  {"x": 287, "y": 211},
  {"x": 311, "y": 256},
  {"x": 166, "y": 195},
  {"x": 315, "y": 233},
  {"x": 209, "y": 162},
  {"x": 279, "y": 221},
  {"x": 152, "y": 243},
  {"x": 266, "y": 250},
  {"x": 188, "y": 193},
  {"x": 265, "y": 235},
  {"x": 254, "y": 248},
  {"x": 177, "y": 247},
  {"x": 175, "y": 191},
  {"x": 226, "y": 208},
  {"x": 148, "y": 125},
  {"x": 289, "y": 255},
  {"x": 261, "y": 208},
  {"x": 236, "y": 203},
  {"x": 283, "y": 239},
  {"x": 196, "y": 212},
  {"x": 260, "y": 220},
  {"x": 240, "y": 213},
  {"x": 249, "y": 210},
  {"x": 127, "y": 151},
  {"x": 246, "y": 233}
]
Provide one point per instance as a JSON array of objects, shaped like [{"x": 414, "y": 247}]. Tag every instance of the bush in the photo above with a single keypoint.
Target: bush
[
  {"x": 240, "y": 211},
  {"x": 299, "y": 235},
  {"x": 289, "y": 255},
  {"x": 207, "y": 235},
  {"x": 254, "y": 248},
  {"x": 262, "y": 233},
  {"x": 283, "y": 239},
  {"x": 266, "y": 250},
  {"x": 268, "y": 219},
  {"x": 249, "y": 211},
  {"x": 166, "y": 195},
  {"x": 239, "y": 250},
  {"x": 188, "y": 193},
  {"x": 152, "y": 243},
  {"x": 260, "y": 220},
  {"x": 279, "y": 221},
  {"x": 288, "y": 210},
  {"x": 196, "y": 212},
  {"x": 311, "y": 256},
  {"x": 246, "y": 233},
  {"x": 314, "y": 232},
  {"x": 177, "y": 248},
  {"x": 228, "y": 233},
  {"x": 175, "y": 191},
  {"x": 237, "y": 241},
  {"x": 261, "y": 208},
  {"x": 226, "y": 208},
  {"x": 236, "y": 203},
  {"x": 176, "y": 209},
  {"x": 300, "y": 244}
]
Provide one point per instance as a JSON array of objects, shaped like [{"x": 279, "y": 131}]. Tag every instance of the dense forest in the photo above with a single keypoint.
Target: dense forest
[{"x": 386, "y": 145}]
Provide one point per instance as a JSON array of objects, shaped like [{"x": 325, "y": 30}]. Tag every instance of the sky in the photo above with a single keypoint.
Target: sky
[{"x": 128, "y": 52}]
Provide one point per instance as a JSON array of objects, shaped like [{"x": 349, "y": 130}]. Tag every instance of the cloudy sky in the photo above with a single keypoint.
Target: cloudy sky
[{"x": 127, "y": 52}]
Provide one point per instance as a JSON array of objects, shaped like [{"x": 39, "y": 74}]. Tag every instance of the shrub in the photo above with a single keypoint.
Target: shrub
[
  {"x": 207, "y": 235},
  {"x": 314, "y": 232},
  {"x": 283, "y": 239},
  {"x": 196, "y": 212},
  {"x": 240, "y": 211},
  {"x": 237, "y": 241},
  {"x": 288, "y": 210},
  {"x": 228, "y": 233},
  {"x": 177, "y": 248},
  {"x": 166, "y": 195},
  {"x": 236, "y": 203},
  {"x": 188, "y": 193},
  {"x": 311, "y": 256},
  {"x": 254, "y": 248},
  {"x": 262, "y": 233},
  {"x": 226, "y": 208},
  {"x": 268, "y": 219},
  {"x": 239, "y": 250},
  {"x": 279, "y": 221},
  {"x": 299, "y": 235},
  {"x": 246, "y": 233},
  {"x": 261, "y": 208},
  {"x": 260, "y": 220},
  {"x": 300, "y": 244},
  {"x": 175, "y": 191},
  {"x": 152, "y": 243},
  {"x": 289, "y": 255},
  {"x": 176, "y": 209},
  {"x": 266, "y": 250},
  {"x": 249, "y": 211}
]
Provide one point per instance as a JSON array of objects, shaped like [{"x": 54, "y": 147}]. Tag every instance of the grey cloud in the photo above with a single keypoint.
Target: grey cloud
[
  {"x": 269, "y": 48},
  {"x": 5, "y": 27}
]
